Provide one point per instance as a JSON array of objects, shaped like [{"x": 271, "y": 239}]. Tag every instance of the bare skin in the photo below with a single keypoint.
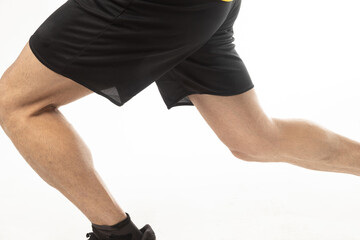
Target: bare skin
[
  {"x": 243, "y": 126},
  {"x": 29, "y": 115},
  {"x": 30, "y": 97}
]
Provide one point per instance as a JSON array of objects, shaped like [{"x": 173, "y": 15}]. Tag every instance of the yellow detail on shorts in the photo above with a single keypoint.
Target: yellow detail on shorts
[{"x": 227, "y": 0}]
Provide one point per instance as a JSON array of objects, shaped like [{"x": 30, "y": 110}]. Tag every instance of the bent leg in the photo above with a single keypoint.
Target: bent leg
[
  {"x": 30, "y": 95},
  {"x": 242, "y": 125}
]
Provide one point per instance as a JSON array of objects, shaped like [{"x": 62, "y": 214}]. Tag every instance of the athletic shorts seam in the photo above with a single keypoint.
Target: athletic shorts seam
[
  {"x": 90, "y": 10},
  {"x": 106, "y": 27},
  {"x": 227, "y": 93}
]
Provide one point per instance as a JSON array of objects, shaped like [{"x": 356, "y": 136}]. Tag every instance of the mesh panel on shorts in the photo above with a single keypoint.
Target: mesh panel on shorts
[{"x": 113, "y": 93}]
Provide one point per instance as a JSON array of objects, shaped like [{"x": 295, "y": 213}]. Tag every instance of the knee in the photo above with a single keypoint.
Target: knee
[
  {"x": 259, "y": 152},
  {"x": 17, "y": 102},
  {"x": 262, "y": 148}
]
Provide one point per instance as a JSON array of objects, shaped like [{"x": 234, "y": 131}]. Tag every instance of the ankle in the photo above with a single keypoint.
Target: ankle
[
  {"x": 109, "y": 220},
  {"x": 124, "y": 229}
]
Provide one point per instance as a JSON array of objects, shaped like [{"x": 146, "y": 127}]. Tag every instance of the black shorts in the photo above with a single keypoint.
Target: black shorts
[{"x": 117, "y": 48}]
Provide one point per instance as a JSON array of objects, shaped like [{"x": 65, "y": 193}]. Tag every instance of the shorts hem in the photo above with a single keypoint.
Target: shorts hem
[
  {"x": 176, "y": 104},
  {"x": 56, "y": 70}
]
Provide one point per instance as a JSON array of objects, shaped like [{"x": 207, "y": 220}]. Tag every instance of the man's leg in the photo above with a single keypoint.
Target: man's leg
[
  {"x": 30, "y": 95},
  {"x": 242, "y": 125}
]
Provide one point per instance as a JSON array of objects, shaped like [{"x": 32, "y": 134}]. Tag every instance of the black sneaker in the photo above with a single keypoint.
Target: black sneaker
[{"x": 147, "y": 234}]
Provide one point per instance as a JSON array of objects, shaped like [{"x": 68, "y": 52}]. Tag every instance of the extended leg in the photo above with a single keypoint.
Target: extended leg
[
  {"x": 30, "y": 95},
  {"x": 241, "y": 124}
]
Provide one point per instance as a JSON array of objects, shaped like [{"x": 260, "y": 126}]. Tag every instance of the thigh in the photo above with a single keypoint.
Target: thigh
[
  {"x": 28, "y": 86},
  {"x": 239, "y": 120}
]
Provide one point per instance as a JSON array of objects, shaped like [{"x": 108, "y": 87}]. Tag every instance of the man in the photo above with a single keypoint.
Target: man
[{"x": 116, "y": 48}]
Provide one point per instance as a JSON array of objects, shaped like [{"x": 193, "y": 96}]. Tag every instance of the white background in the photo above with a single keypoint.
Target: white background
[{"x": 168, "y": 169}]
